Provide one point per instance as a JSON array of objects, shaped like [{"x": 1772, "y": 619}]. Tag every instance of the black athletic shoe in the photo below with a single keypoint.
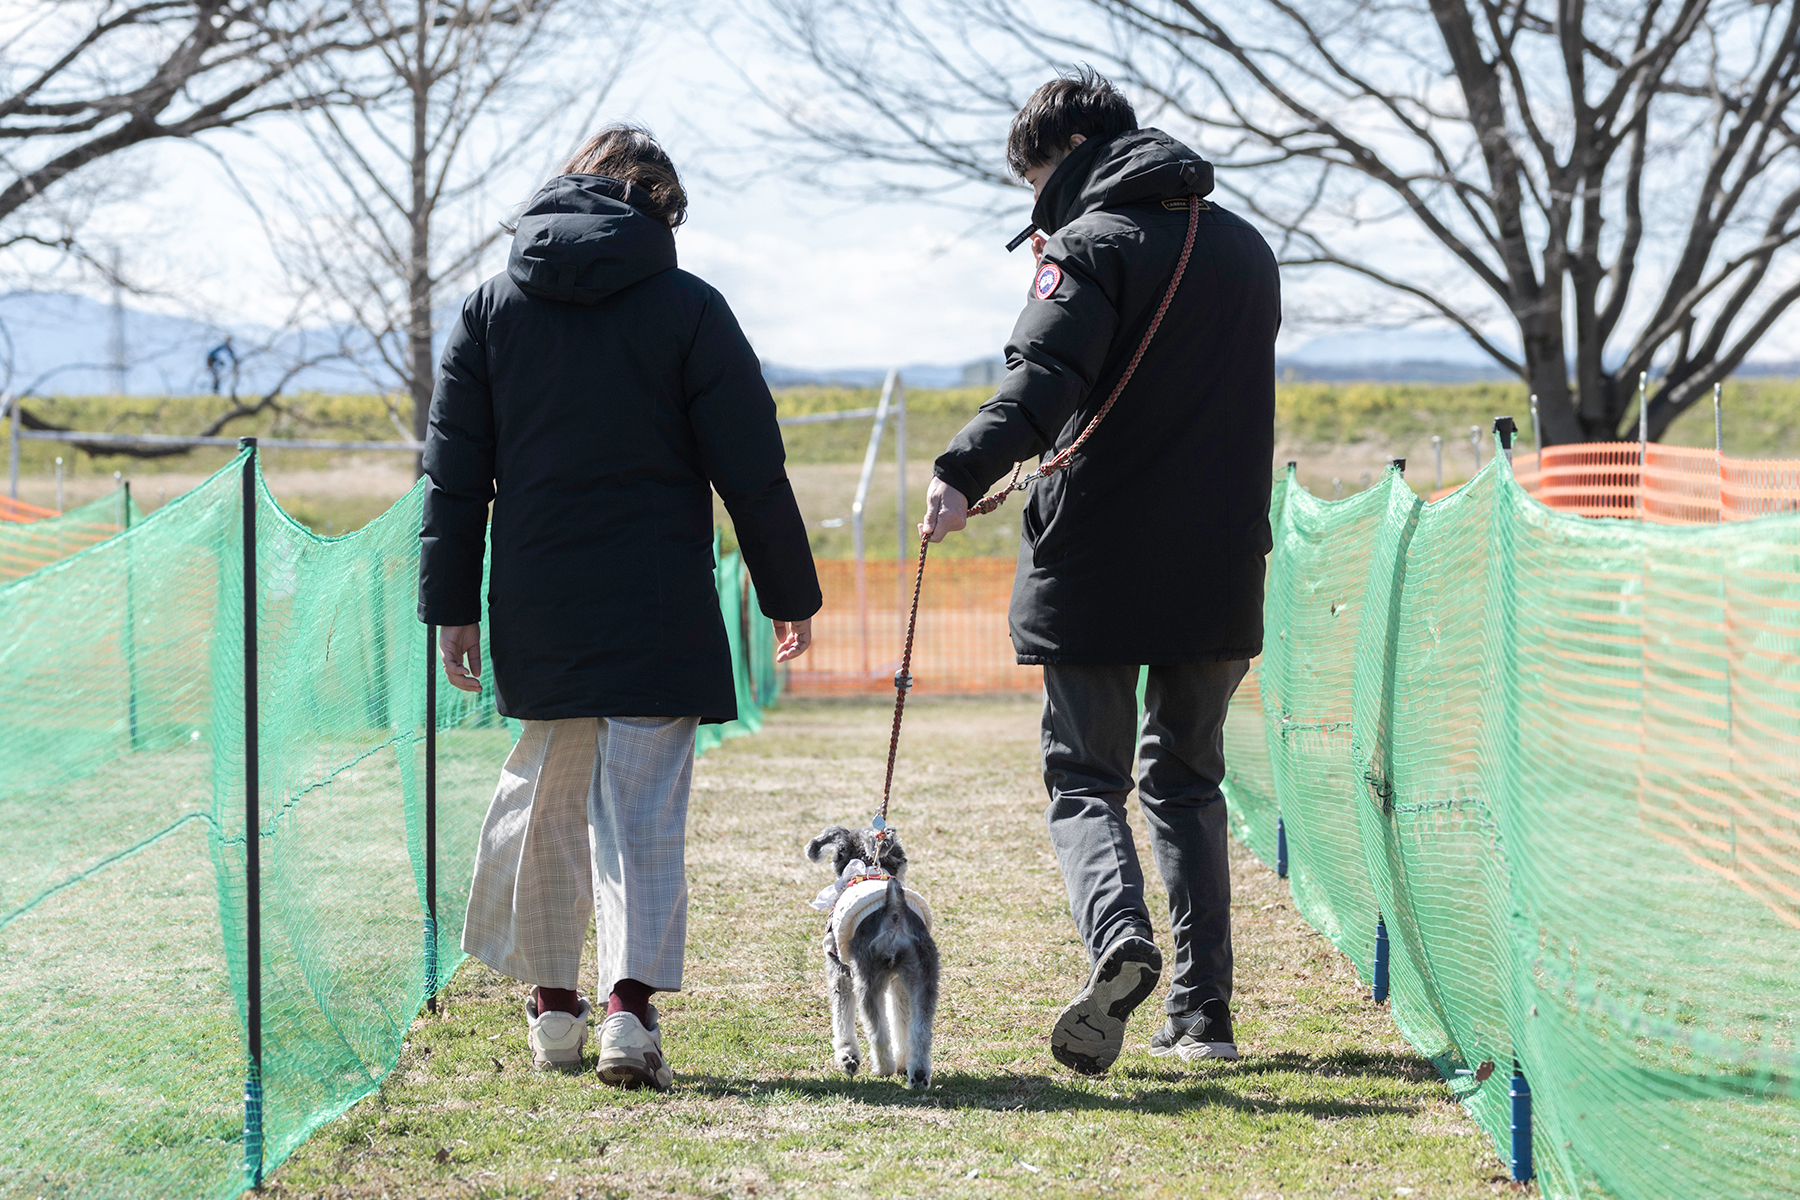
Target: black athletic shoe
[
  {"x": 1088, "y": 1035},
  {"x": 1203, "y": 1033}
]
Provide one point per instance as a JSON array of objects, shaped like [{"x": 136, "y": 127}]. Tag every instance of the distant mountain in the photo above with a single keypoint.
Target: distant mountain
[
  {"x": 919, "y": 375},
  {"x": 55, "y": 343}
]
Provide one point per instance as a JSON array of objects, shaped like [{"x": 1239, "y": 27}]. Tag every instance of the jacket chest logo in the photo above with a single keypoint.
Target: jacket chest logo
[{"x": 1048, "y": 277}]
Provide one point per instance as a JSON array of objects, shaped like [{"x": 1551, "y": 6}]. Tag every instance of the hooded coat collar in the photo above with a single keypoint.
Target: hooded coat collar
[
  {"x": 1145, "y": 164},
  {"x": 584, "y": 237}
]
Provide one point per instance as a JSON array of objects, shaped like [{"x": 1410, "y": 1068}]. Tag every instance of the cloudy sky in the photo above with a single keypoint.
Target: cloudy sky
[{"x": 818, "y": 280}]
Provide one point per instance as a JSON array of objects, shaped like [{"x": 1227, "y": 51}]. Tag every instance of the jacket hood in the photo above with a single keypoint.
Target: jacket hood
[
  {"x": 584, "y": 237},
  {"x": 1145, "y": 164}
]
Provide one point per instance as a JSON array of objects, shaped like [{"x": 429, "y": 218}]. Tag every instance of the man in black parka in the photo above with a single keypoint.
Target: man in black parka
[
  {"x": 595, "y": 395},
  {"x": 1147, "y": 549}
]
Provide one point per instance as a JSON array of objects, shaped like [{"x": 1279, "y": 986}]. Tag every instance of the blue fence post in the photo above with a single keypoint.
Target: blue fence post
[
  {"x": 1381, "y": 960},
  {"x": 1520, "y": 1094},
  {"x": 1280, "y": 847}
]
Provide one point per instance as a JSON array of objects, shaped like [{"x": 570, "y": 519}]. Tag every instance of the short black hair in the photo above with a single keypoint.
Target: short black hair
[{"x": 1082, "y": 102}]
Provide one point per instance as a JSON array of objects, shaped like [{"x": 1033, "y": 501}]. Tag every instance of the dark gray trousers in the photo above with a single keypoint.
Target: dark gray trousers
[{"x": 1090, "y": 733}]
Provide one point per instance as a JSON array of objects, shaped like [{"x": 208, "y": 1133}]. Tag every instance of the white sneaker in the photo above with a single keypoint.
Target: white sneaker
[
  {"x": 631, "y": 1053},
  {"x": 556, "y": 1038}
]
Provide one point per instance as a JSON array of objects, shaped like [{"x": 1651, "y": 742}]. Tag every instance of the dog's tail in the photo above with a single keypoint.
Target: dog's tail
[{"x": 893, "y": 908}]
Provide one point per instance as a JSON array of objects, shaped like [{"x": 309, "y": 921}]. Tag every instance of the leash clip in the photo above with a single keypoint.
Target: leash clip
[{"x": 902, "y": 681}]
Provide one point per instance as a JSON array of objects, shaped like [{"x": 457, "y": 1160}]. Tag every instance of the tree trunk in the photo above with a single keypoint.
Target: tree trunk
[{"x": 420, "y": 371}]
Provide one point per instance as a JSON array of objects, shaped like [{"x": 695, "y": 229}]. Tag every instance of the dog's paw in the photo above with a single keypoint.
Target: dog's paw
[
  {"x": 849, "y": 1061},
  {"x": 918, "y": 1078}
]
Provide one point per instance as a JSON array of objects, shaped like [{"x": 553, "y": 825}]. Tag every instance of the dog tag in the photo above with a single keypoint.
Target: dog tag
[{"x": 878, "y": 824}]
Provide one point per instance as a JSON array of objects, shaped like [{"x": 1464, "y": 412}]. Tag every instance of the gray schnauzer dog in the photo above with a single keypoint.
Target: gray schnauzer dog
[{"x": 885, "y": 965}]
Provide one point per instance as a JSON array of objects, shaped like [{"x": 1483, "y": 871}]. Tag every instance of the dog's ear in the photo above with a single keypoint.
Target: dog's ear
[{"x": 835, "y": 839}]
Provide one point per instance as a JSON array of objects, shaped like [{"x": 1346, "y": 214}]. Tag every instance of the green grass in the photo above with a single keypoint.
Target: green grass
[{"x": 1327, "y": 1101}]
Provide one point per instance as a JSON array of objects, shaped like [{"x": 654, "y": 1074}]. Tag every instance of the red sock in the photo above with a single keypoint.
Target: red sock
[
  {"x": 628, "y": 995},
  {"x": 558, "y": 1000}
]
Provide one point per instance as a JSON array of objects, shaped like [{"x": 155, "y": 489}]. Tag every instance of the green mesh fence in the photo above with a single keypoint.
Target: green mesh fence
[
  {"x": 127, "y": 1018},
  {"x": 33, "y": 544},
  {"x": 1560, "y": 758}
]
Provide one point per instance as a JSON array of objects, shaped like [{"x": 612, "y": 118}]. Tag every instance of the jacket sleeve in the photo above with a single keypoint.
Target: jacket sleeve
[
  {"x": 733, "y": 418},
  {"x": 459, "y": 460},
  {"x": 1057, "y": 350}
]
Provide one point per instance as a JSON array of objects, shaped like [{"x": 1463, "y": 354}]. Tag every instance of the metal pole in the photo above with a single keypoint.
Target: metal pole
[
  {"x": 1475, "y": 445},
  {"x": 1437, "y": 452},
  {"x": 431, "y": 937},
  {"x": 59, "y": 503},
  {"x": 1520, "y": 1095},
  {"x": 1281, "y": 855},
  {"x": 12, "y": 458},
  {"x": 1505, "y": 428},
  {"x": 1379, "y": 993},
  {"x": 1537, "y": 433},
  {"x": 856, "y": 510},
  {"x": 253, "y": 1087},
  {"x": 1643, "y": 445},
  {"x": 129, "y": 642},
  {"x": 902, "y": 543},
  {"x": 1719, "y": 458}
]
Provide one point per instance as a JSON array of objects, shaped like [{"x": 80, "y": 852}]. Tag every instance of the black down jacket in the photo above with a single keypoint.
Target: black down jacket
[
  {"x": 595, "y": 395},
  {"x": 1149, "y": 547}
]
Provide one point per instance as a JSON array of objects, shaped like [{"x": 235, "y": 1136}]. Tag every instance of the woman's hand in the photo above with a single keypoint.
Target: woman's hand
[
  {"x": 791, "y": 639},
  {"x": 946, "y": 511},
  {"x": 458, "y": 644}
]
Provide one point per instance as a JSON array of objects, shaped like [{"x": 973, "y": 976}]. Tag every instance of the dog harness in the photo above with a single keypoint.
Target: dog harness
[{"x": 854, "y": 896}]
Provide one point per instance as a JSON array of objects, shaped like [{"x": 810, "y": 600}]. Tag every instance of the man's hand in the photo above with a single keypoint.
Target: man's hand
[
  {"x": 791, "y": 639},
  {"x": 458, "y": 644},
  {"x": 946, "y": 510}
]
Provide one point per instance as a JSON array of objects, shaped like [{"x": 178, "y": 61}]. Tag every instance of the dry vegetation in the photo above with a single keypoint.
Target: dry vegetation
[
  {"x": 1342, "y": 432},
  {"x": 1329, "y": 1100}
]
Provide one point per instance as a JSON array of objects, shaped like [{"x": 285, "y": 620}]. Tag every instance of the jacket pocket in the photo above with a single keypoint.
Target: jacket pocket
[{"x": 1043, "y": 523}]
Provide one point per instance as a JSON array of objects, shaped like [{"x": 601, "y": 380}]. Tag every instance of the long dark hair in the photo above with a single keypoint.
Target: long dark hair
[{"x": 630, "y": 153}]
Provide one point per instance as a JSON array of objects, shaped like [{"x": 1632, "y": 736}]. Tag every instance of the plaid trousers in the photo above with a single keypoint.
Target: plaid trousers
[{"x": 589, "y": 822}]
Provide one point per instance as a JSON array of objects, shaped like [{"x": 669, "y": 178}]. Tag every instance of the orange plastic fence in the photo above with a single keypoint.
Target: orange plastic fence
[
  {"x": 962, "y": 644},
  {"x": 26, "y": 550},
  {"x": 18, "y": 511},
  {"x": 1665, "y": 485}
]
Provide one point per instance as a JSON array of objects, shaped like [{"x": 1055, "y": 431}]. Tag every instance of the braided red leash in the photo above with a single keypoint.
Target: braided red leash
[{"x": 1056, "y": 462}]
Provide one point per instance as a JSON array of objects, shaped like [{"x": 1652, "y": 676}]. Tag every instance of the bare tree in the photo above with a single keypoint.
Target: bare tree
[
  {"x": 81, "y": 80},
  {"x": 1617, "y": 182},
  {"x": 456, "y": 98}
]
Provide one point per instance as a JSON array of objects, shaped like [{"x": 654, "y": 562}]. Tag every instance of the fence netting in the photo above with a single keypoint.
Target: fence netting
[
  {"x": 124, "y": 1006},
  {"x": 27, "y": 546},
  {"x": 1560, "y": 759},
  {"x": 963, "y": 643}
]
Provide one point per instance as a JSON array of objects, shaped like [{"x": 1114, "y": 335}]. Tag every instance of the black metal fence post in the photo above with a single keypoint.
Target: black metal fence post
[
  {"x": 253, "y": 1083},
  {"x": 431, "y": 934},
  {"x": 128, "y": 643}
]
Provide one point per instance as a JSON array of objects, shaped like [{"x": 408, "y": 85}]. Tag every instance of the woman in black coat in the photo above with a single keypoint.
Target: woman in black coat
[{"x": 595, "y": 394}]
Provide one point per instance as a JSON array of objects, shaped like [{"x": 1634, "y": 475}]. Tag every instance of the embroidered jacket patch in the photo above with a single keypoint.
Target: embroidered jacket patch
[{"x": 1048, "y": 277}]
